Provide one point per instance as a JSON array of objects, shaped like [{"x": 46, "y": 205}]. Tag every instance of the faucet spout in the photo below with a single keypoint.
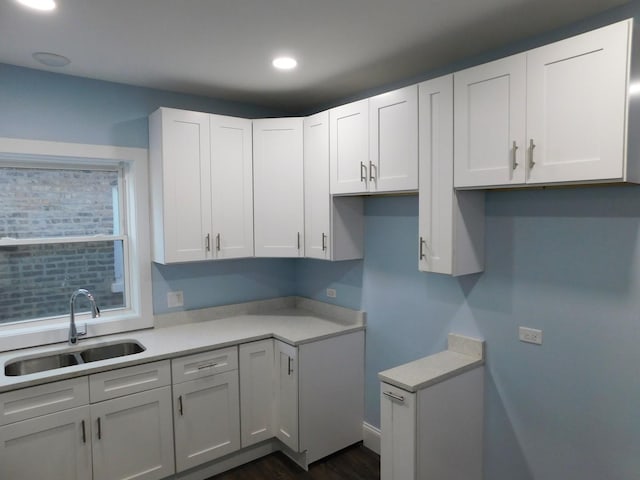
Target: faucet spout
[{"x": 95, "y": 312}]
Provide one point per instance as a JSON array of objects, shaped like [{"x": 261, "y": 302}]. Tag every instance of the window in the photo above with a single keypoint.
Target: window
[{"x": 69, "y": 220}]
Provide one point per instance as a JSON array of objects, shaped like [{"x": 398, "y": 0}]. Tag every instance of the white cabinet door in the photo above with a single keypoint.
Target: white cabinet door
[
  {"x": 286, "y": 389},
  {"x": 180, "y": 189},
  {"x": 398, "y": 440},
  {"x": 576, "y": 107},
  {"x": 207, "y": 419},
  {"x": 52, "y": 447},
  {"x": 451, "y": 223},
  {"x": 231, "y": 187},
  {"x": 133, "y": 436},
  {"x": 489, "y": 119},
  {"x": 349, "y": 148},
  {"x": 256, "y": 391},
  {"x": 393, "y": 127},
  {"x": 317, "y": 200},
  {"x": 278, "y": 187}
]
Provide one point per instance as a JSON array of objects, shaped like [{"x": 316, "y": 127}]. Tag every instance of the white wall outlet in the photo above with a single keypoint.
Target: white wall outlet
[
  {"x": 531, "y": 335},
  {"x": 331, "y": 292},
  {"x": 175, "y": 299}
]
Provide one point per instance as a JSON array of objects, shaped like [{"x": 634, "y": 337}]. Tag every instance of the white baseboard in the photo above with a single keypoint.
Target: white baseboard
[{"x": 371, "y": 437}]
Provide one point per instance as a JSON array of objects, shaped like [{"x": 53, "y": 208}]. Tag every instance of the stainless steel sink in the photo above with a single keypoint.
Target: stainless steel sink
[
  {"x": 25, "y": 366},
  {"x": 40, "y": 364},
  {"x": 105, "y": 352}
]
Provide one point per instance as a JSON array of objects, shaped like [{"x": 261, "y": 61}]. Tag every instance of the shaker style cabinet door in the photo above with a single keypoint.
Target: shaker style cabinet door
[
  {"x": 489, "y": 123},
  {"x": 278, "y": 187},
  {"x": 576, "y": 107},
  {"x": 286, "y": 415},
  {"x": 399, "y": 440},
  {"x": 231, "y": 187}
]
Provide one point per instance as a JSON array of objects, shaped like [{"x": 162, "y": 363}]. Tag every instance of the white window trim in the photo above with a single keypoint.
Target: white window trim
[{"x": 139, "y": 315}]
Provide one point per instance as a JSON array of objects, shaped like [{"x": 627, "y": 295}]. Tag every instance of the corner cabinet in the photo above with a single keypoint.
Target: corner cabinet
[
  {"x": 278, "y": 187},
  {"x": 201, "y": 189},
  {"x": 451, "y": 223},
  {"x": 555, "y": 114},
  {"x": 334, "y": 226}
]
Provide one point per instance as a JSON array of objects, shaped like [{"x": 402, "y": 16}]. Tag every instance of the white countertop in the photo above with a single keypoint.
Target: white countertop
[
  {"x": 463, "y": 354},
  {"x": 293, "y": 325}
]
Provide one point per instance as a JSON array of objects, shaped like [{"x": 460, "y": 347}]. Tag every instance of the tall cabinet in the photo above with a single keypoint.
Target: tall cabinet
[{"x": 277, "y": 184}]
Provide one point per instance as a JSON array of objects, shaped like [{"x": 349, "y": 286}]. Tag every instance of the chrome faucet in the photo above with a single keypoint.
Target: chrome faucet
[{"x": 95, "y": 312}]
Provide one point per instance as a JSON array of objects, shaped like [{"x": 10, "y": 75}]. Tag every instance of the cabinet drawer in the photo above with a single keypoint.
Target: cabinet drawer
[
  {"x": 43, "y": 399},
  {"x": 204, "y": 364},
  {"x": 125, "y": 381}
]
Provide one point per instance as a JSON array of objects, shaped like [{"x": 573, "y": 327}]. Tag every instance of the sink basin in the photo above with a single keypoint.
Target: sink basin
[
  {"x": 105, "y": 352},
  {"x": 25, "y": 366},
  {"x": 40, "y": 364}
]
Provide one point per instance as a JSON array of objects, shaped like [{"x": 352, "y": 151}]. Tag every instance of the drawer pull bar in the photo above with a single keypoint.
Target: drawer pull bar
[
  {"x": 208, "y": 365},
  {"x": 399, "y": 398},
  {"x": 84, "y": 433}
]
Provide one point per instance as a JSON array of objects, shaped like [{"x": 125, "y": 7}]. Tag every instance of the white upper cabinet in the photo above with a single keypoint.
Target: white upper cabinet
[
  {"x": 201, "y": 188},
  {"x": 231, "y": 187},
  {"x": 451, "y": 223},
  {"x": 349, "y": 148},
  {"x": 180, "y": 189},
  {"x": 393, "y": 149},
  {"x": 334, "y": 227},
  {"x": 556, "y": 114},
  {"x": 278, "y": 187}
]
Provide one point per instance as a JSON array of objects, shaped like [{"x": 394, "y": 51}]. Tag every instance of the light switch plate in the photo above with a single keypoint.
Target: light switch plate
[{"x": 331, "y": 292}]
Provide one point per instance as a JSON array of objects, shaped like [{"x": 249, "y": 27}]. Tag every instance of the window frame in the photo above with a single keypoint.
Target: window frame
[{"x": 138, "y": 314}]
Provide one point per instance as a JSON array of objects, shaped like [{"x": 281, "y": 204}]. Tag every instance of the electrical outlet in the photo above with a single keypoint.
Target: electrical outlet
[
  {"x": 175, "y": 299},
  {"x": 531, "y": 335},
  {"x": 331, "y": 292}
]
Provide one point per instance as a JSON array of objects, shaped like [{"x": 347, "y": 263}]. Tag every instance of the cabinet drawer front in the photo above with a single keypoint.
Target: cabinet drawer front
[
  {"x": 43, "y": 399},
  {"x": 125, "y": 381},
  {"x": 204, "y": 364}
]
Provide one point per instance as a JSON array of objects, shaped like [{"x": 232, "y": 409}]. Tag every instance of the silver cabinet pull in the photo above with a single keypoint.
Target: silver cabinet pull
[
  {"x": 207, "y": 365},
  {"x": 324, "y": 242},
  {"x": 84, "y": 433},
  {"x": 218, "y": 242},
  {"x": 531, "y": 147},
  {"x": 99, "y": 429},
  {"x": 180, "y": 406},
  {"x": 363, "y": 168},
  {"x": 298, "y": 240},
  {"x": 392, "y": 395},
  {"x": 289, "y": 369},
  {"x": 372, "y": 177},
  {"x": 514, "y": 162},
  {"x": 207, "y": 242},
  {"x": 422, "y": 244}
]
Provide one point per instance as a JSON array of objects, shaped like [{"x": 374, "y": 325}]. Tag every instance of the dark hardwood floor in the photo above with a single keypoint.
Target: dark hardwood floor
[{"x": 353, "y": 463}]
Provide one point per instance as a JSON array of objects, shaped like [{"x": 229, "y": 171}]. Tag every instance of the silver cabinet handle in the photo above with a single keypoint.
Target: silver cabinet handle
[
  {"x": 180, "y": 406},
  {"x": 392, "y": 395},
  {"x": 422, "y": 244},
  {"x": 363, "y": 167},
  {"x": 324, "y": 242},
  {"x": 289, "y": 369},
  {"x": 531, "y": 147},
  {"x": 298, "y": 240},
  {"x": 207, "y": 365},
  {"x": 372, "y": 177},
  {"x": 99, "y": 429},
  {"x": 514, "y": 162},
  {"x": 84, "y": 433},
  {"x": 218, "y": 242},
  {"x": 207, "y": 242}
]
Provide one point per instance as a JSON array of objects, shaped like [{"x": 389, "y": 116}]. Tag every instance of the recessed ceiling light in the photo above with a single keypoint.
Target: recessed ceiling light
[
  {"x": 285, "y": 63},
  {"x": 43, "y": 5},
  {"x": 51, "y": 59}
]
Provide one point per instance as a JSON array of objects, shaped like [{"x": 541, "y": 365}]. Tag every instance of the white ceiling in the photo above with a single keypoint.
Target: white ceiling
[{"x": 223, "y": 48}]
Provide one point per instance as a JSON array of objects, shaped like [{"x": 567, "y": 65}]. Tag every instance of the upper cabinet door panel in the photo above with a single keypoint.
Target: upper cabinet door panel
[
  {"x": 231, "y": 187},
  {"x": 185, "y": 162},
  {"x": 393, "y": 131},
  {"x": 576, "y": 110},
  {"x": 489, "y": 116},
  {"x": 349, "y": 147},
  {"x": 278, "y": 187}
]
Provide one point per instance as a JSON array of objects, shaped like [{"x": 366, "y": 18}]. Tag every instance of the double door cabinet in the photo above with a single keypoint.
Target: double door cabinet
[{"x": 124, "y": 423}]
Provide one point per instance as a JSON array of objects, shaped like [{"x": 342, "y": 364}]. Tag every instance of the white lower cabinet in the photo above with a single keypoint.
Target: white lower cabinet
[
  {"x": 257, "y": 390},
  {"x": 132, "y": 436},
  {"x": 206, "y": 407},
  {"x": 286, "y": 398},
  {"x": 53, "y": 447}
]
